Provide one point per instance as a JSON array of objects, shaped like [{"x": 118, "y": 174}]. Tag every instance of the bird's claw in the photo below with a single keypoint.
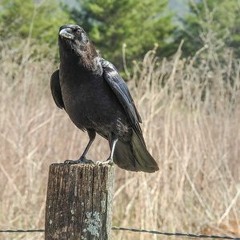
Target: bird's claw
[
  {"x": 79, "y": 161},
  {"x": 107, "y": 162}
]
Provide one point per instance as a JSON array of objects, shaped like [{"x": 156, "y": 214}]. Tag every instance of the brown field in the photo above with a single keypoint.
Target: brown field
[{"x": 190, "y": 109}]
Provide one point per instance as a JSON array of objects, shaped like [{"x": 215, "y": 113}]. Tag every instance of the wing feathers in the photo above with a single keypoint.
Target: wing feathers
[
  {"x": 120, "y": 89},
  {"x": 56, "y": 89}
]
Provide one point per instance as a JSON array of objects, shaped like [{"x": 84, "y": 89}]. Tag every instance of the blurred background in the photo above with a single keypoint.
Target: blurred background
[{"x": 180, "y": 59}]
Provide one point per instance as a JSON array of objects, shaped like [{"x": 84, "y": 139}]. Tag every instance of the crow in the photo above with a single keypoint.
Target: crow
[{"x": 97, "y": 100}]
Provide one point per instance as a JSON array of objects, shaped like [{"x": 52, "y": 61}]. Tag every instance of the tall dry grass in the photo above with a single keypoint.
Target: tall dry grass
[{"x": 190, "y": 111}]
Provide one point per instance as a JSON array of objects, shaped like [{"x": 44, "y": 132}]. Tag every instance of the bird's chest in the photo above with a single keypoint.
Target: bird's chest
[
  {"x": 79, "y": 94},
  {"x": 87, "y": 101}
]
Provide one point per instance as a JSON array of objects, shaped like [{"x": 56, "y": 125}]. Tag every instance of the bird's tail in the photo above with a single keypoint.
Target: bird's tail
[{"x": 134, "y": 156}]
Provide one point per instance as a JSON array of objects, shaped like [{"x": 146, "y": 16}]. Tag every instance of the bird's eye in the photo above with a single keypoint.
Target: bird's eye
[{"x": 78, "y": 31}]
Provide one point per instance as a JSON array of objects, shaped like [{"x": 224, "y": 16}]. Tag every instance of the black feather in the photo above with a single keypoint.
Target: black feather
[
  {"x": 56, "y": 89},
  {"x": 121, "y": 91}
]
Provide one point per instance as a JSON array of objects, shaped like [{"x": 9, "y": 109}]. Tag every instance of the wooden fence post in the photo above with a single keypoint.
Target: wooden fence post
[{"x": 79, "y": 202}]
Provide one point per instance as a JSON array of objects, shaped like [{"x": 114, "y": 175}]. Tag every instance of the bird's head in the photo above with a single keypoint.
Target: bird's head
[{"x": 73, "y": 40}]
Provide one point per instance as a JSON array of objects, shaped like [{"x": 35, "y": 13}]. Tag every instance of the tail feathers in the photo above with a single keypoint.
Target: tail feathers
[{"x": 134, "y": 156}]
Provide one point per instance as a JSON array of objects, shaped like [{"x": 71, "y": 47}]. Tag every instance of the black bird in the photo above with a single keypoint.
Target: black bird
[{"x": 97, "y": 99}]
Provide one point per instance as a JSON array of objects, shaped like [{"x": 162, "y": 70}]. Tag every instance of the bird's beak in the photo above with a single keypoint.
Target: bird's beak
[{"x": 66, "y": 33}]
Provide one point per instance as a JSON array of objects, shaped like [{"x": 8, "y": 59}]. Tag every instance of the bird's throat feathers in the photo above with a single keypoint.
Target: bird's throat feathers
[{"x": 83, "y": 57}]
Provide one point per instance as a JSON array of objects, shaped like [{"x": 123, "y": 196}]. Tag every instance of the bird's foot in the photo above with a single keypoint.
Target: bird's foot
[
  {"x": 107, "y": 162},
  {"x": 81, "y": 160}
]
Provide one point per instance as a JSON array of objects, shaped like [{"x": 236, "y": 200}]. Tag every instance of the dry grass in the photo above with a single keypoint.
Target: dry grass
[{"x": 191, "y": 113}]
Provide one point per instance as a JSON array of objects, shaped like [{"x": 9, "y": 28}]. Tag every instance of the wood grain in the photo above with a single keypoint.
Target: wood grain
[{"x": 79, "y": 202}]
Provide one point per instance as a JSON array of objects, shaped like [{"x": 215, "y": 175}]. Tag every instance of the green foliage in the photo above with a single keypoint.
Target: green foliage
[
  {"x": 112, "y": 24},
  {"x": 211, "y": 22},
  {"x": 29, "y": 19}
]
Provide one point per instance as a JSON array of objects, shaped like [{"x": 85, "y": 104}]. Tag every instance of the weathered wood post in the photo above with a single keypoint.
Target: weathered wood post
[{"x": 79, "y": 202}]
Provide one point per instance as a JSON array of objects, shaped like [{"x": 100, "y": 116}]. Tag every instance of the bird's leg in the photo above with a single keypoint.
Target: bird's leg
[
  {"x": 112, "y": 147},
  {"x": 112, "y": 142},
  {"x": 82, "y": 159}
]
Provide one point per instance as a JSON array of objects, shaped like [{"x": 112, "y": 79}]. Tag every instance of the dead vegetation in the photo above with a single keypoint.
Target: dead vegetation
[{"x": 190, "y": 109}]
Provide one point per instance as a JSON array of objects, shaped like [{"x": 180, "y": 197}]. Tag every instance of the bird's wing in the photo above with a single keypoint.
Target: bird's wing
[
  {"x": 56, "y": 89},
  {"x": 121, "y": 91}
]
